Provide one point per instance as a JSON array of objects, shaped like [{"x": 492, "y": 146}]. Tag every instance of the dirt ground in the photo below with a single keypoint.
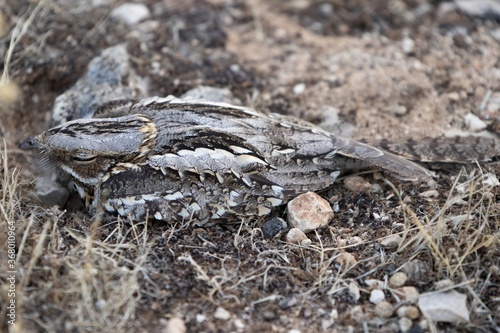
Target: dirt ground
[{"x": 395, "y": 70}]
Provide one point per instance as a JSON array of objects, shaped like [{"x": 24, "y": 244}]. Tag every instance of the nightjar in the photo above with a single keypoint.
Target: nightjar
[{"x": 175, "y": 159}]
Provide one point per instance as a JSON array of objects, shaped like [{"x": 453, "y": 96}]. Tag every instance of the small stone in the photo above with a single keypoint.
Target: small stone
[
  {"x": 131, "y": 13},
  {"x": 407, "y": 45},
  {"x": 240, "y": 325},
  {"x": 474, "y": 123},
  {"x": 49, "y": 191},
  {"x": 405, "y": 324},
  {"x": 398, "y": 110},
  {"x": 175, "y": 325},
  {"x": 357, "y": 314},
  {"x": 269, "y": 315},
  {"x": 449, "y": 306},
  {"x": 374, "y": 283},
  {"x": 416, "y": 270},
  {"x": 212, "y": 94},
  {"x": 355, "y": 240},
  {"x": 409, "y": 294},
  {"x": 297, "y": 236},
  {"x": 490, "y": 180},
  {"x": 423, "y": 324},
  {"x": 334, "y": 314},
  {"x": 222, "y": 314},
  {"x": 479, "y": 8},
  {"x": 443, "y": 284},
  {"x": 376, "y": 188},
  {"x": 341, "y": 242},
  {"x": 200, "y": 318},
  {"x": 409, "y": 311},
  {"x": 309, "y": 212},
  {"x": 346, "y": 260},
  {"x": 391, "y": 242},
  {"x": 384, "y": 309},
  {"x": 454, "y": 96},
  {"x": 398, "y": 280},
  {"x": 357, "y": 184},
  {"x": 299, "y": 88},
  {"x": 287, "y": 303},
  {"x": 272, "y": 227},
  {"x": 429, "y": 194},
  {"x": 354, "y": 291},
  {"x": 377, "y": 296}
]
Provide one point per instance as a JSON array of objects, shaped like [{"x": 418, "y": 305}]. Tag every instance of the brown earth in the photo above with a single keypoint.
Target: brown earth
[{"x": 394, "y": 70}]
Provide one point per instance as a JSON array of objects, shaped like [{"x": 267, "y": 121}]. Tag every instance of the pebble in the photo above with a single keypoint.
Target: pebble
[
  {"x": 355, "y": 240},
  {"x": 474, "y": 123},
  {"x": 384, "y": 309},
  {"x": 269, "y": 315},
  {"x": 405, "y": 324},
  {"x": 357, "y": 184},
  {"x": 240, "y": 325},
  {"x": 429, "y": 194},
  {"x": 299, "y": 88},
  {"x": 354, "y": 291},
  {"x": 490, "y": 180},
  {"x": 449, "y": 306},
  {"x": 357, "y": 314},
  {"x": 409, "y": 294},
  {"x": 479, "y": 8},
  {"x": 200, "y": 318},
  {"x": 287, "y": 303},
  {"x": 297, "y": 236},
  {"x": 409, "y": 311},
  {"x": 454, "y": 96},
  {"x": 398, "y": 280},
  {"x": 175, "y": 325},
  {"x": 272, "y": 227},
  {"x": 213, "y": 94},
  {"x": 309, "y": 212},
  {"x": 377, "y": 296},
  {"x": 416, "y": 270},
  {"x": 398, "y": 110},
  {"x": 131, "y": 13},
  {"x": 222, "y": 314},
  {"x": 391, "y": 242},
  {"x": 407, "y": 45},
  {"x": 376, "y": 188},
  {"x": 346, "y": 260},
  {"x": 443, "y": 284},
  {"x": 374, "y": 283}
]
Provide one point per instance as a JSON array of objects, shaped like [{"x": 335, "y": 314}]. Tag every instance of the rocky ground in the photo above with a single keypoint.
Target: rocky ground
[{"x": 394, "y": 256}]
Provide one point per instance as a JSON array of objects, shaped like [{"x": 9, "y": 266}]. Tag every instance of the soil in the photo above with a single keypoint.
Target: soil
[{"x": 395, "y": 70}]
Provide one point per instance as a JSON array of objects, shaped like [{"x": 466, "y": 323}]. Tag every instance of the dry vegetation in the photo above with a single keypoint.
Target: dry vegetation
[{"x": 125, "y": 276}]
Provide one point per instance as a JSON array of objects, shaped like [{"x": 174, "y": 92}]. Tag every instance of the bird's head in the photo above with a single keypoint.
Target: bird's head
[{"x": 87, "y": 148}]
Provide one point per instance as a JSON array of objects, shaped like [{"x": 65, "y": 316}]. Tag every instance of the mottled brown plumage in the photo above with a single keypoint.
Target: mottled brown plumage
[{"x": 181, "y": 160}]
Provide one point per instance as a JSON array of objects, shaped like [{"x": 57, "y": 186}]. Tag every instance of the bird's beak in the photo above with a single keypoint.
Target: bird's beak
[{"x": 30, "y": 144}]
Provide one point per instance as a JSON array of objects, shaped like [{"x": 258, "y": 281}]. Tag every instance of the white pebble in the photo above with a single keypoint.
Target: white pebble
[
  {"x": 377, "y": 296},
  {"x": 299, "y": 88},
  {"x": 222, "y": 314},
  {"x": 131, "y": 13},
  {"x": 474, "y": 123}
]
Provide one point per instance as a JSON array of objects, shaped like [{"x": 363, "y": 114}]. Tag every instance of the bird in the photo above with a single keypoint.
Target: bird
[{"x": 174, "y": 159}]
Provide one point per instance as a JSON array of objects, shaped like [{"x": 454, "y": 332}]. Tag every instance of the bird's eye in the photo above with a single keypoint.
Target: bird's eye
[{"x": 83, "y": 158}]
